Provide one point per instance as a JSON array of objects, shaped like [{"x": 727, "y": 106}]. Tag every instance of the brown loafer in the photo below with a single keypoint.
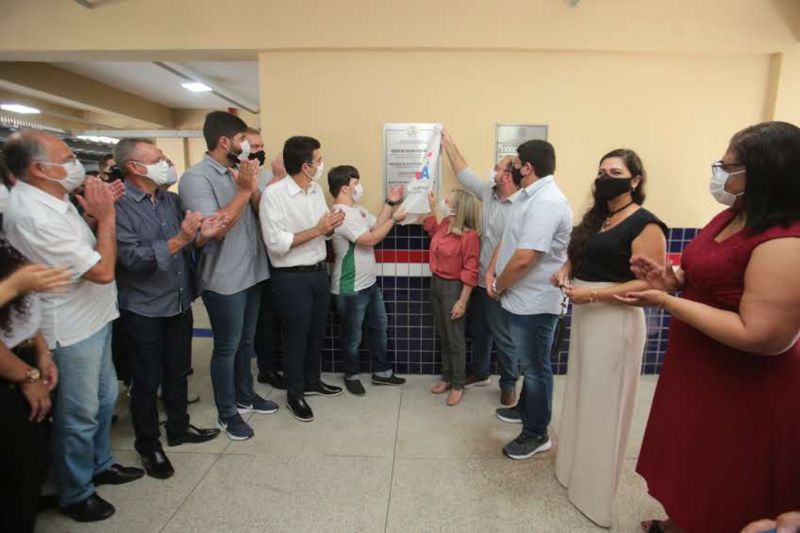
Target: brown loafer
[{"x": 508, "y": 398}]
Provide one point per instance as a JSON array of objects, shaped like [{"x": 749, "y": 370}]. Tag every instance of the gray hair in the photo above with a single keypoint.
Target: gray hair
[
  {"x": 125, "y": 149},
  {"x": 22, "y": 149}
]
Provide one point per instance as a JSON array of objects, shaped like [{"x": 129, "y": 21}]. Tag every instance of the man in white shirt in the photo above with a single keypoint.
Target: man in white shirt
[
  {"x": 354, "y": 282},
  {"x": 533, "y": 248},
  {"x": 45, "y": 227},
  {"x": 295, "y": 222}
]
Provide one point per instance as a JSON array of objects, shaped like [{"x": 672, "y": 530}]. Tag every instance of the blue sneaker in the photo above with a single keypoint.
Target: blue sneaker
[
  {"x": 257, "y": 405},
  {"x": 235, "y": 427}
]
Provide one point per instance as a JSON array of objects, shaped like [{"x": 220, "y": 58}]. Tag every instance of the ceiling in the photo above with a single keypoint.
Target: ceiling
[{"x": 149, "y": 81}]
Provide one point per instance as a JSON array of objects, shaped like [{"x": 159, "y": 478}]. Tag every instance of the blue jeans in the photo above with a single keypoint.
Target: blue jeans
[
  {"x": 363, "y": 308},
  {"x": 84, "y": 403},
  {"x": 533, "y": 337},
  {"x": 233, "y": 322},
  {"x": 488, "y": 324}
]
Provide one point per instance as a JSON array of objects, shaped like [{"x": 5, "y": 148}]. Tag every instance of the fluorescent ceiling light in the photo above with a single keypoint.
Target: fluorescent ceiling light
[
  {"x": 19, "y": 108},
  {"x": 197, "y": 87},
  {"x": 94, "y": 138}
]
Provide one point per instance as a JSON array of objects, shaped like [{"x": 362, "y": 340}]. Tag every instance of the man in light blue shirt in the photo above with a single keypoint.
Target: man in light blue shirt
[{"x": 533, "y": 248}]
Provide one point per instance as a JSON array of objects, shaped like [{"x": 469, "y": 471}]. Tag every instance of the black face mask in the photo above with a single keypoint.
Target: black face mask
[
  {"x": 260, "y": 155},
  {"x": 607, "y": 188},
  {"x": 233, "y": 157},
  {"x": 516, "y": 174}
]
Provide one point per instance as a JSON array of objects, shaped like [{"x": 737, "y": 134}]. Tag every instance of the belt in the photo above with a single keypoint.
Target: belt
[{"x": 301, "y": 268}]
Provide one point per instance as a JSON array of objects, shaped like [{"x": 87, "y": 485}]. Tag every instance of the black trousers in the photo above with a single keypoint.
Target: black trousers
[
  {"x": 23, "y": 461},
  {"x": 160, "y": 354},
  {"x": 119, "y": 352},
  {"x": 264, "y": 341},
  {"x": 302, "y": 300}
]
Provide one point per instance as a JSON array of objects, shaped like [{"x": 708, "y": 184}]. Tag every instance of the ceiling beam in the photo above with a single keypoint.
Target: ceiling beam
[
  {"x": 188, "y": 75},
  {"x": 84, "y": 93}
]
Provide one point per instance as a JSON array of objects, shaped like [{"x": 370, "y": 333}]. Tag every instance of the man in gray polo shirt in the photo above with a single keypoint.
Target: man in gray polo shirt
[
  {"x": 487, "y": 320},
  {"x": 533, "y": 248},
  {"x": 231, "y": 267}
]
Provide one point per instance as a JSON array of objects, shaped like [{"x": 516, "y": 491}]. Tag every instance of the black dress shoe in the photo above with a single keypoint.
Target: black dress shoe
[
  {"x": 157, "y": 465},
  {"x": 300, "y": 409},
  {"x": 92, "y": 509},
  {"x": 272, "y": 378},
  {"x": 323, "y": 389},
  {"x": 193, "y": 435},
  {"x": 355, "y": 387},
  {"x": 117, "y": 475}
]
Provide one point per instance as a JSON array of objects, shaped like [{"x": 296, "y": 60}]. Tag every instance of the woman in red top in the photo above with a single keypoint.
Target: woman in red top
[
  {"x": 722, "y": 445},
  {"x": 455, "y": 246}
]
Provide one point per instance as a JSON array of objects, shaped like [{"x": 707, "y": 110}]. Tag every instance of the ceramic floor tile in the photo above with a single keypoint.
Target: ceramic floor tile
[
  {"x": 144, "y": 505},
  {"x": 257, "y": 493}
]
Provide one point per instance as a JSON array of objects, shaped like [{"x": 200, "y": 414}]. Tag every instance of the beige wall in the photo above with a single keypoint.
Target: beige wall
[
  {"x": 678, "y": 111},
  {"x": 47, "y": 26},
  {"x": 787, "y": 98}
]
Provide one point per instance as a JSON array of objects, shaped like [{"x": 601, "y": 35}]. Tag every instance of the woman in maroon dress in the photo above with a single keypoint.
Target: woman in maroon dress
[{"x": 722, "y": 444}]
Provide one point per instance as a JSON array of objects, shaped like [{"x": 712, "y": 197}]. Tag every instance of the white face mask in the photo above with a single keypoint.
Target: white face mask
[
  {"x": 446, "y": 210},
  {"x": 358, "y": 193},
  {"x": 157, "y": 172},
  {"x": 75, "y": 177},
  {"x": 245, "y": 155},
  {"x": 318, "y": 174},
  {"x": 172, "y": 175},
  {"x": 719, "y": 178}
]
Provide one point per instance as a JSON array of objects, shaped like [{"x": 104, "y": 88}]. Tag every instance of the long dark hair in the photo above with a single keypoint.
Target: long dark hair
[
  {"x": 593, "y": 219},
  {"x": 10, "y": 261},
  {"x": 770, "y": 153}
]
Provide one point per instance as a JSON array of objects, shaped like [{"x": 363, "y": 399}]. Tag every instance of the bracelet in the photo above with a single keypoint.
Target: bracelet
[
  {"x": 592, "y": 296},
  {"x": 393, "y": 203}
]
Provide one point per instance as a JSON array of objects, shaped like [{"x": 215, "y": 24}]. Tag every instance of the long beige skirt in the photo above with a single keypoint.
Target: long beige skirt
[{"x": 606, "y": 344}]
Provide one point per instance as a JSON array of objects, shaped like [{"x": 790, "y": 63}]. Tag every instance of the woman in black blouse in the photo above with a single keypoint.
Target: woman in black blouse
[{"x": 607, "y": 339}]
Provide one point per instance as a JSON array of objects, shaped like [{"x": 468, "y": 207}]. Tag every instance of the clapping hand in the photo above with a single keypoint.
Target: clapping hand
[
  {"x": 647, "y": 298},
  {"x": 97, "y": 199},
  {"x": 190, "y": 225},
  {"x": 213, "y": 225},
  {"x": 330, "y": 221},
  {"x": 246, "y": 176},
  {"x": 657, "y": 276},
  {"x": 117, "y": 188}
]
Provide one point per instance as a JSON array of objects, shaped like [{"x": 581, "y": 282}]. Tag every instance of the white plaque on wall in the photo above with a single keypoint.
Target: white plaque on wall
[
  {"x": 404, "y": 147},
  {"x": 509, "y": 136}
]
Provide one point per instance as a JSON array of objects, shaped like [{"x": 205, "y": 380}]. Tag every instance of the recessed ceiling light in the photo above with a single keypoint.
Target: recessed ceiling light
[
  {"x": 197, "y": 87},
  {"x": 19, "y": 108}
]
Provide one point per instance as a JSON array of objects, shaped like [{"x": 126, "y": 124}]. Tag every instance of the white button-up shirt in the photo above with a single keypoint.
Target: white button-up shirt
[
  {"x": 540, "y": 220},
  {"x": 49, "y": 230},
  {"x": 287, "y": 209}
]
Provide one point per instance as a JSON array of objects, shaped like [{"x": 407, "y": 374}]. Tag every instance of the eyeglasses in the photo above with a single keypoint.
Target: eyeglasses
[{"x": 720, "y": 164}]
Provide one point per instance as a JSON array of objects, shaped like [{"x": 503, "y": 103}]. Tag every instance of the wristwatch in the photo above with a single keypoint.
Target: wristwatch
[
  {"x": 393, "y": 203},
  {"x": 31, "y": 375}
]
